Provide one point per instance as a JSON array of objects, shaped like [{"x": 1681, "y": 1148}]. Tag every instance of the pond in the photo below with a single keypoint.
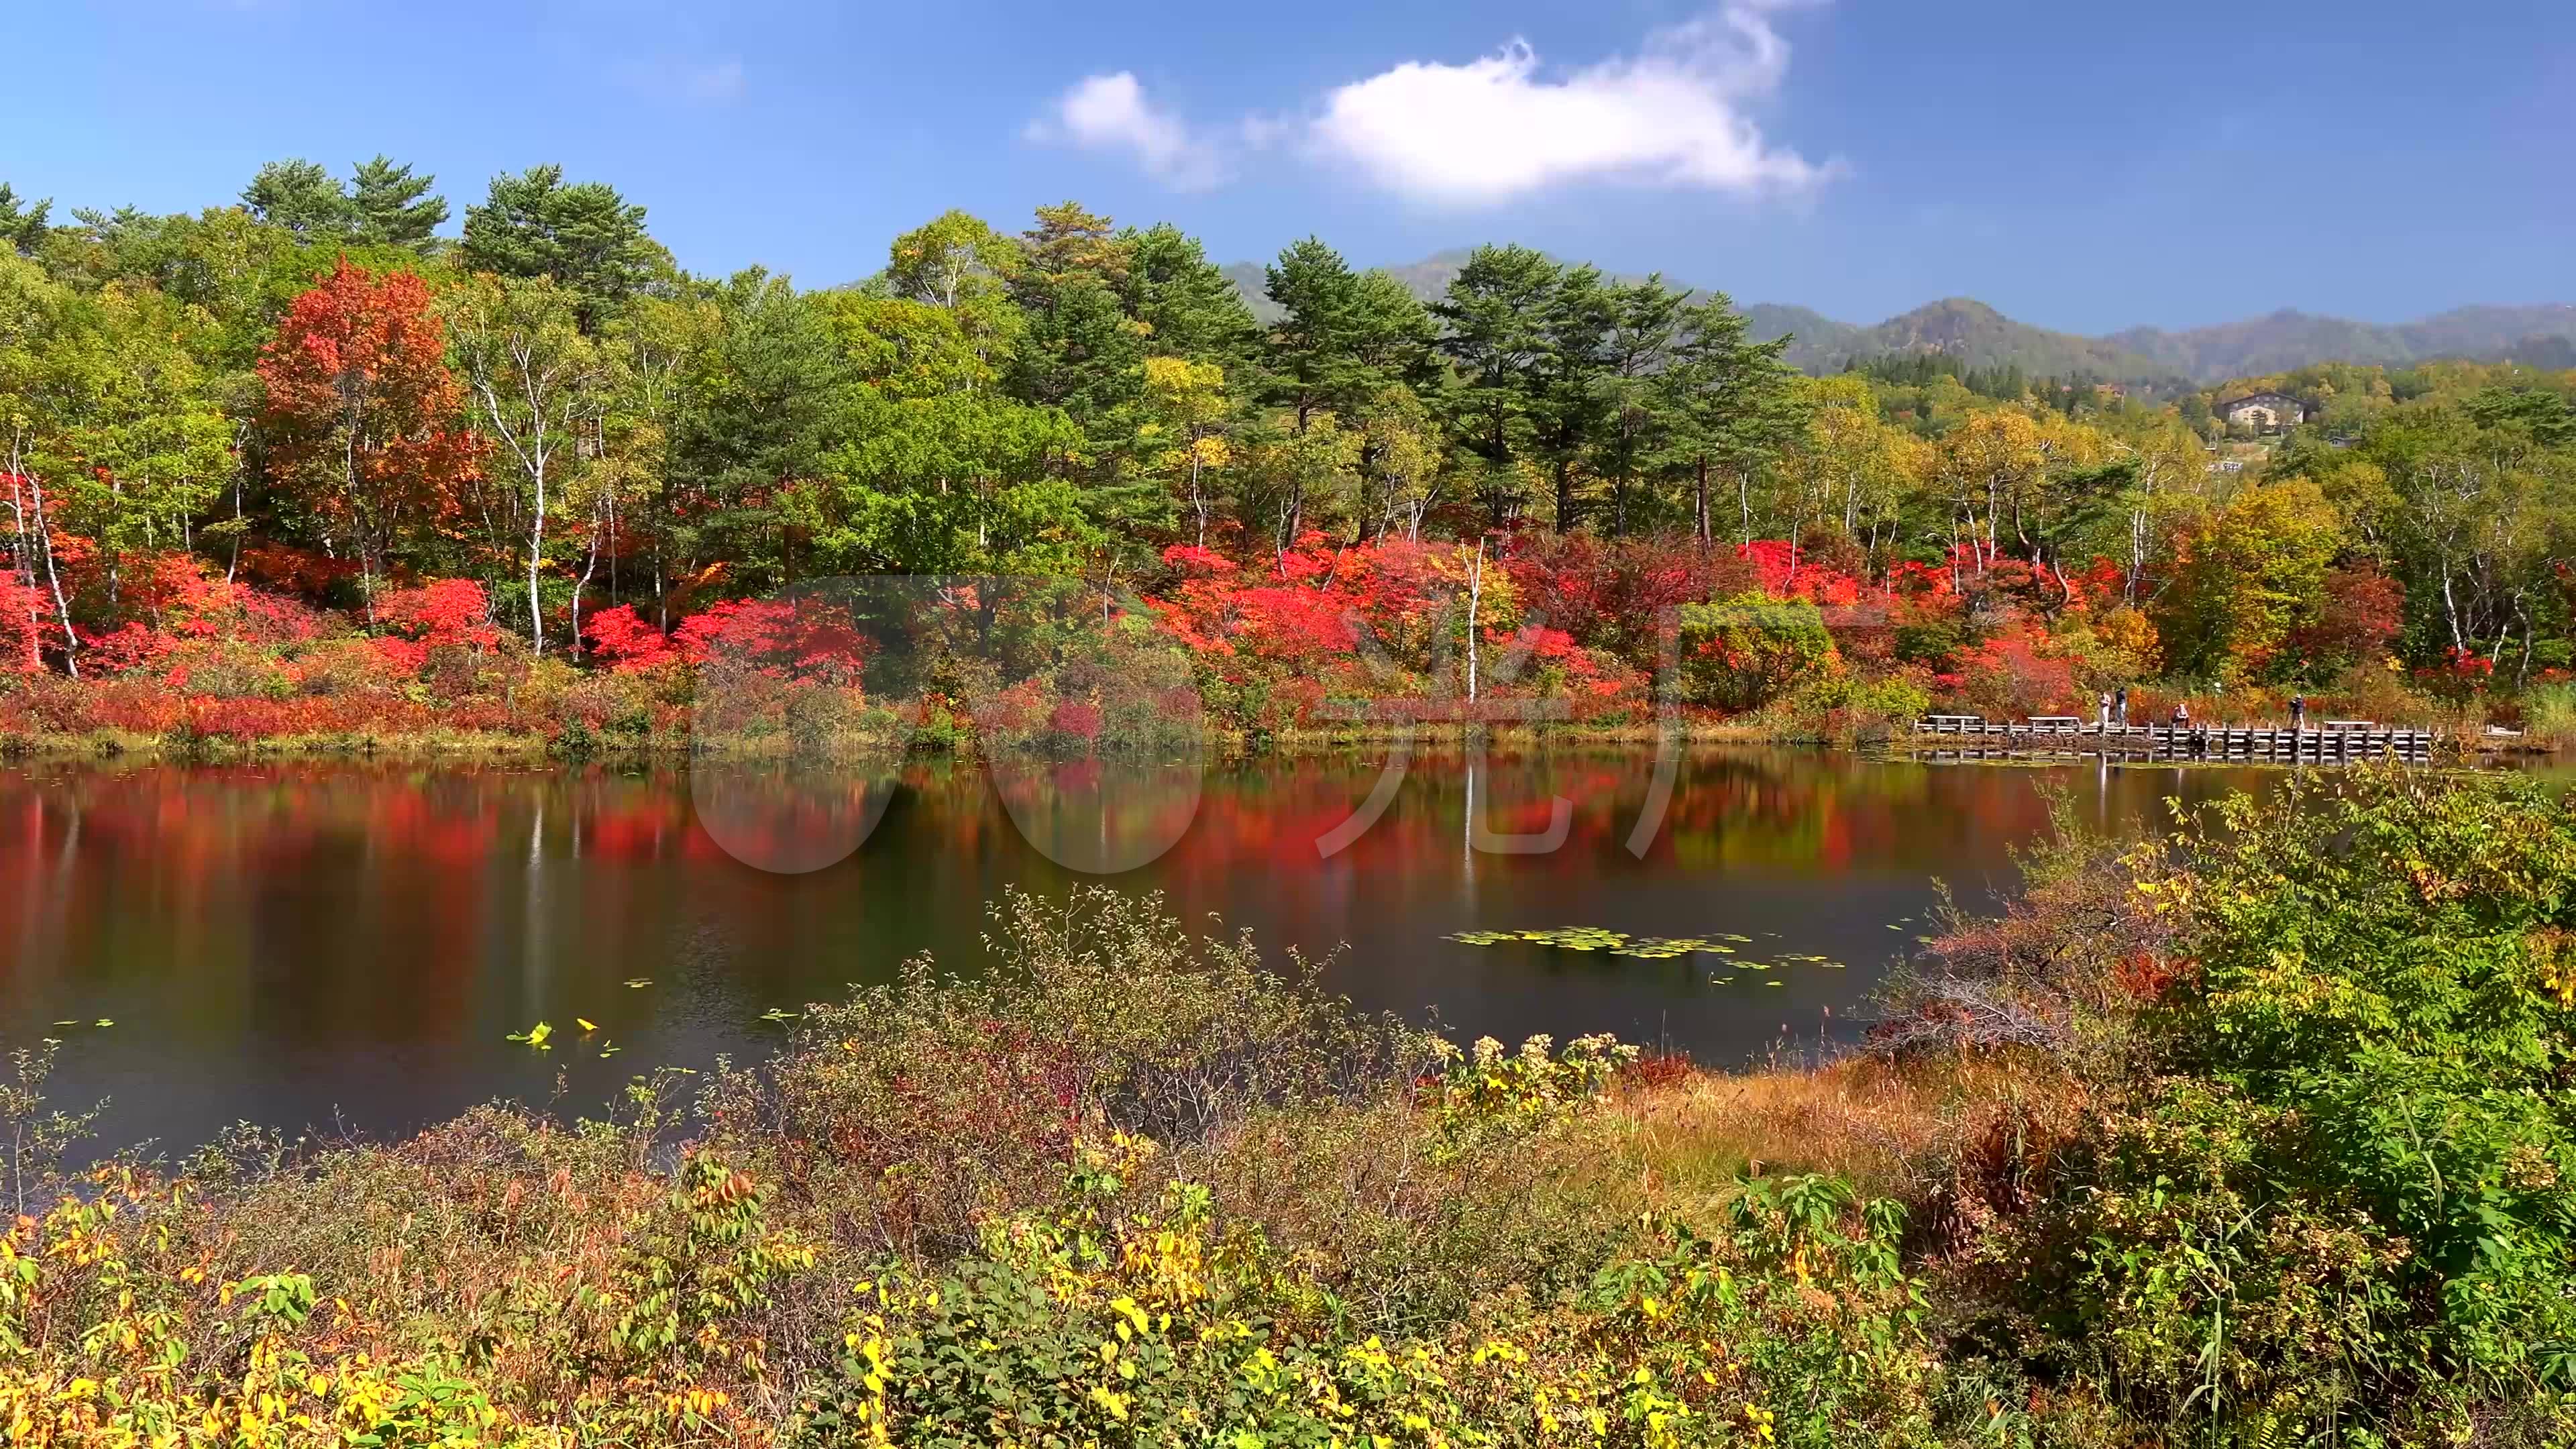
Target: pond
[{"x": 349, "y": 946}]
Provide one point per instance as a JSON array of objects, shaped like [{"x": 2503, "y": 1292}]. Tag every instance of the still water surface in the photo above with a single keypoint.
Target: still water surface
[{"x": 316, "y": 944}]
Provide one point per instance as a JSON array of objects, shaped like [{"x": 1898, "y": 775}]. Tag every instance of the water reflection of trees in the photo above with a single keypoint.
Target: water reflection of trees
[{"x": 281, "y": 929}]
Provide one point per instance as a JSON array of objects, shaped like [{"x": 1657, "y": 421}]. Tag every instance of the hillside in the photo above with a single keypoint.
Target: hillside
[
  {"x": 1979, "y": 336},
  {"x": 2290, "y": 339}
]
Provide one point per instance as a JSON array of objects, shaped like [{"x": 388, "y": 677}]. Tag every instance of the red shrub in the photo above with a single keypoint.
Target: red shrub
[
  {"x": 2009, "y": 677},
  {"x": 2360, "y": 614},
  {"x": 806, "y": 638},
  {"x": 622, "y": 639},
  {"x": 447, "y": 613}
]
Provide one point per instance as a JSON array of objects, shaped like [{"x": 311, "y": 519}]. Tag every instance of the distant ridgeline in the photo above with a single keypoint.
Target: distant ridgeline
[{"x": 1984, "y": 348}]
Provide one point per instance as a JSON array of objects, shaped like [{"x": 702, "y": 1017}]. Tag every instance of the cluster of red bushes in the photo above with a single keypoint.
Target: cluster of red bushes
[{"x": 1306, "y": 637}]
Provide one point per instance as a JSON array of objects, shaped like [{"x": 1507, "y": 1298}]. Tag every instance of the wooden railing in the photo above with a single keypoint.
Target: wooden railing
[{"x": 2336, "y": 741}]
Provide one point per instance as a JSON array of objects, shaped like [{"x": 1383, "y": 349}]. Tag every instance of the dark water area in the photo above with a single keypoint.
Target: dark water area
[{"x": 320, "y": 944}]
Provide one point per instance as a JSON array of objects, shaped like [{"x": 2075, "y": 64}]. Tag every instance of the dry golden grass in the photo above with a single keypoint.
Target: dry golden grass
[{"x": 1953, "y": 1136}]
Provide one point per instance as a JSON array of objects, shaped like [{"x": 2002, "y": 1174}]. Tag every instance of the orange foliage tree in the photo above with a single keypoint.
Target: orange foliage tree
[{"x": 363, "y": 415}]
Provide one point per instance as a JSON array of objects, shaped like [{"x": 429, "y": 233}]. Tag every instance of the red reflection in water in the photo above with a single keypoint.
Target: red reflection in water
[{"x": 287, "y": 942}]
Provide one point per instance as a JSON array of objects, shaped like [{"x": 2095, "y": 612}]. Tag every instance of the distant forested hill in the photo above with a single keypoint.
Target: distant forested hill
[
  {"x": 2288, "y": 339},
  {"x": 1981, "y": 337}
]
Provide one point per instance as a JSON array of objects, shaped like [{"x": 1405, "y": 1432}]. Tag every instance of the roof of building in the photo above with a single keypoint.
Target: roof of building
[{"x": 2265, "y": 396}]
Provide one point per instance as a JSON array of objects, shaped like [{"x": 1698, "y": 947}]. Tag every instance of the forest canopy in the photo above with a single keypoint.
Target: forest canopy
[{"x": 315, "y": 395}]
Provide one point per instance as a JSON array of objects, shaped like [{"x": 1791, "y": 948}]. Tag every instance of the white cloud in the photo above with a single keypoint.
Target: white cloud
[
  {"x": 1497, "y": 128},
  {"x": 1110, "y": 113},
  {"x": 1494, "y": 128}
]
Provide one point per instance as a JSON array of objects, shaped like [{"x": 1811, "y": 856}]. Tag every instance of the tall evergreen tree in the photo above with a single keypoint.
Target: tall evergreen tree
[
  {"x": 1495, "y": 320},
  {"x": 23, "y": 224},
  {"x": 1645, "y": 320},
  {"x": 1735, "y": 403},
  {"x": 1343, "y": 335},
  {"x": 391, "y": 207},
  {"x": 1188, "y": 306},
  {"x": 584, "y": 235},
  {"x": 300, "y": 196}
]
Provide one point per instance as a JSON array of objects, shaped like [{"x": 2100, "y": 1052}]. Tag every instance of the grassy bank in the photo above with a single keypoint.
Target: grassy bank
[{"x": 2262, "y": 1136}]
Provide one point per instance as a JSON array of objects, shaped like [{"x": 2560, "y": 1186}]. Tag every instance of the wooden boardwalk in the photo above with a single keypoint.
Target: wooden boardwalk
[{"x": 2336, "y": 742}]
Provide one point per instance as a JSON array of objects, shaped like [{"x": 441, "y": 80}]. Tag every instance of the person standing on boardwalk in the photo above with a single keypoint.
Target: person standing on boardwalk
[
  {"x": 2120, "y": 705},
  {"x": 2298, "y": 711},
  {"x": 2106, "y": 709}
]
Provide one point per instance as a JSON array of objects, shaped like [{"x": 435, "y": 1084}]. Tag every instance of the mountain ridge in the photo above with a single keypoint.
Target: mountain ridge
[{"x": 1979, "y": 336}]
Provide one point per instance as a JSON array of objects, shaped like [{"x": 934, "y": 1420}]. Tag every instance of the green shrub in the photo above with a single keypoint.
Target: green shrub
[
  {"x": 1743, "y": 652},
  {"x": 2347, "y": 1191},
  {"x": 2549, "y": 715}
]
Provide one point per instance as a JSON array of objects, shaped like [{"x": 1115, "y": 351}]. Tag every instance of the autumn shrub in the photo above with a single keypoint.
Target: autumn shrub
[
  {"x": 1128, "y": 1315},
  {"x": 1743, "y": 652},
  {"x": 2328, "y": 1189},
  {"x": 2027, "y": 978},
  {"x": 2107, "y": 650},
  {"x": 2359, "y": 614},
  {"x": 1851, "y": 708},
  {"x": 2013, "y": 675},
  {"x": 146, "y": 1310},
  {"x": 348, "y": 665},
  {"x": 1609, "y": 593},
  {"x": 224, "y": 669},
  {"x": 933, "y": 1100}
]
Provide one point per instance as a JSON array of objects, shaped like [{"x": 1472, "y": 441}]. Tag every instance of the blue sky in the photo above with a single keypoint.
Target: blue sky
[{"x": 2082, "y": 166}]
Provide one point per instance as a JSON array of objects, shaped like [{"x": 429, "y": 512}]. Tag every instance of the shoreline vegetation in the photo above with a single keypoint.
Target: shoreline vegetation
[
  {"x": 2460, "y": 744},
  {"x": 302, "y": 470},
  {"x": 2259, "y": 1134}
]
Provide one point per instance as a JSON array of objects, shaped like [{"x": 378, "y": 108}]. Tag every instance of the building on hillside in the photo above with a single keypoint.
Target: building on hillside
[{"x": 2263, "y": 412}]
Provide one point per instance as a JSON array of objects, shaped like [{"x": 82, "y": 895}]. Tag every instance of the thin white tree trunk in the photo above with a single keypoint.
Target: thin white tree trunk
[{"x": 1475, "y": 596}]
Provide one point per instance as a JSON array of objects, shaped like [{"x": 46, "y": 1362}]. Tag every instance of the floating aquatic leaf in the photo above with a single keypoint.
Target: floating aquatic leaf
[
  {"x": 1775, "y": 983},
  {"x": 638, "y": 983},
  {"x": 105, "y": 1021},
  {"x": 535, "y": 1036},
  {"x": 607, "y": 1050},
  {"x": 67, "y": 1023},
  {"x": 779, "y": 1013},
  {"x": 585, "y": 1023},
  {"x": 1620, "y": 943}
]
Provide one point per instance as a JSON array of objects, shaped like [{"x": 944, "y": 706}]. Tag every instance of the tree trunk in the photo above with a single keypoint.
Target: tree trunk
[
  {"x": 53, "y": 576},
  {"x": 536, "y": 558},
  {"x": 589, "y": 568},
  {"x": 1699, "y": 510},
  {"x": 1475, "y": 596}
]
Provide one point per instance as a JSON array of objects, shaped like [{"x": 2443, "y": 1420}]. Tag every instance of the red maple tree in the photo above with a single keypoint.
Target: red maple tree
[{"x": 362, "y": 413}]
